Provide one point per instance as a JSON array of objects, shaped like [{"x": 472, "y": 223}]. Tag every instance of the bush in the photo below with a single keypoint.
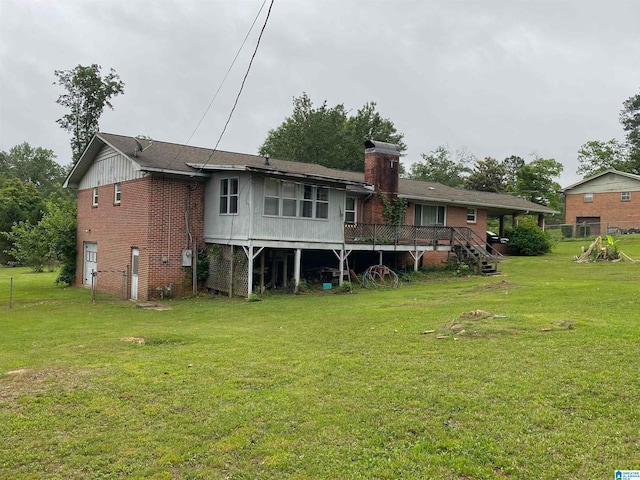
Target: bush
[{"x": 528, "y": 240}]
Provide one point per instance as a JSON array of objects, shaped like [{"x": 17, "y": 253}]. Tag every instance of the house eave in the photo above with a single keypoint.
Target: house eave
[
  {"x": 277, "y": 173},
  {"x": 489, "y": 206}
]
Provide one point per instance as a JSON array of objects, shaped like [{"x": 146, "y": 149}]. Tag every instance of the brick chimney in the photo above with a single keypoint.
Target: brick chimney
[{"x": 382, "y": 170}]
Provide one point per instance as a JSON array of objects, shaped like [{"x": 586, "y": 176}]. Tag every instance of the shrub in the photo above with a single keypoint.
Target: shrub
[{"x": 528, "y": 240}]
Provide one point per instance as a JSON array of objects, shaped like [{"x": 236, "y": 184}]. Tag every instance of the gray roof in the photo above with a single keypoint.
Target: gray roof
[{"x": 172, "y": 158}]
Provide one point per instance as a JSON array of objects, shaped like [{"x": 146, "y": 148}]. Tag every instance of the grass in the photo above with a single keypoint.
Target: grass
[{"x": 545, "y": 385}]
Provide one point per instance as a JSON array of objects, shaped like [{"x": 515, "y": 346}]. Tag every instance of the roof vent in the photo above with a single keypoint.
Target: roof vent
[{"x": 266, "y": 160}]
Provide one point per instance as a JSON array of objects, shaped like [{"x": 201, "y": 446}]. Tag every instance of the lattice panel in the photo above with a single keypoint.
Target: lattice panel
[{"x": 220, "y": 270}]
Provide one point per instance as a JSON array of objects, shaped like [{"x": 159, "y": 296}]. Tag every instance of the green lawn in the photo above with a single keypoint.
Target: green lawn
[{"x": 545, "y": 385}]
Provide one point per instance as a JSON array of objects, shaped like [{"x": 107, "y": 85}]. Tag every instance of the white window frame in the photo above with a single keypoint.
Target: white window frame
[
  {"x": 271, "y": 198},
  {"x": 588, "y": 197},
  {"x": 625, "y": 196},
  {"x": 472, "y": 215},
  {"x": 117, "y": 193},
  {"x": 419, "y": 206},
  {"x": 229, "y": 197},
  {"x": 283, "y": 198},
  {"x": 94, "y": 197},
  {"x": 350, "y": 214}
]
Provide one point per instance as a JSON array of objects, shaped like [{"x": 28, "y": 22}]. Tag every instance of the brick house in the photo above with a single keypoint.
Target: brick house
[
  {"x": 145, "y": 208},
  {"x": 609, "y": 202}
]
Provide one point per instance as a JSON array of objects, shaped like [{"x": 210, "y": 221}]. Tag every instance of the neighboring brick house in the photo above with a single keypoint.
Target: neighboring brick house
[
  {"x": 145, "y": 208},
  {"x": 608, "y": 202}
]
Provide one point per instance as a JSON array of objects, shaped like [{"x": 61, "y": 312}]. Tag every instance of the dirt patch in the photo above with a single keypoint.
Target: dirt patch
[
  {"x": 153, "y": 306},
  {"x": 36, "y": 382},
  {"x": 501, "y": 285},
  {"x": 136, "y": 340},
  {"x": 473, "y": 324}
]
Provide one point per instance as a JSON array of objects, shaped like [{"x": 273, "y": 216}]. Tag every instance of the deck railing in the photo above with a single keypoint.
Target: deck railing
[{"x": 382, "y": 234}]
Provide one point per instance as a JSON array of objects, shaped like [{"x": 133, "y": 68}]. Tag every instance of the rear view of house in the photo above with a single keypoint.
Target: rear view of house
[{"x": 145, "y": 209}]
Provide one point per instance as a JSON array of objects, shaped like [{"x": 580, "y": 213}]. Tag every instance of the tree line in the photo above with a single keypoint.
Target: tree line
[{"x": 38, "y": 218}]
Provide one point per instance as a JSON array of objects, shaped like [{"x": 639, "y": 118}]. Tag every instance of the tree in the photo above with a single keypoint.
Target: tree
[
  {"x": 512, "y": 164},
  {"x": 328, "y": 136},
  {"x": 596, "y": 156},
  {"x": 630, "y": 120},
  {"x": 488, "y": 175},
  {"x": 439, "y": 166},
  {"x": 51, "y": 240},
  {"x": 33, "y": 165},
  {"x": 19, "y": 202},
  {"x": 535, "y": 182},
  {"x": 87, "y": 94}
]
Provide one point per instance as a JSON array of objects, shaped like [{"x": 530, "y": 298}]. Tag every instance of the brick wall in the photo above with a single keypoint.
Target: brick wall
[
  {"x": 150, "y": 217},
  {"x": 607, "y": 206}
]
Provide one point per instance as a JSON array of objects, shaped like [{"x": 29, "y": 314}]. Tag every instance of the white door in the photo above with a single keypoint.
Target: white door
[
  {"x": 90, "y": 261},
  {"x": 135, "y": 258}
]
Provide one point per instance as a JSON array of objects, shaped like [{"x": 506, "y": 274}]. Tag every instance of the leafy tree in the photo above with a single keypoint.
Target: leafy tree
[
  {"x": 19, "y": 202},
  {"x": 596, "y": 156},
  {"x": 47, "y": 242},
  {"x": 439, "y": 166},
  {"x": 488, "y": 175},
  {"x": 512, "y": 164},
  {"x": 535, "y": 182},
  {"x": 87, "y": 94},
  {"x": 327, "y": 135},
  {"x": 33, "y": 165},
  {"x": 630, "y": 120}
]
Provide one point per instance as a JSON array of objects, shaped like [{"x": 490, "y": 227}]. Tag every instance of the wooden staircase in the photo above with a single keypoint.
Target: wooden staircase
[{"x": 468, "y": 248}]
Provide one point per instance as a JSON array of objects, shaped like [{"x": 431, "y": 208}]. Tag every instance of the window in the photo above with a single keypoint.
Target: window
[
  {"x": 588, "y": 197},
  {"x": 117, "y": 193},
  {"x": 471, "y": 215},
  {"x": 95, "y": 197},
  {"x": 322, "y": 202},
  {"x": 350, "y": 210},
  {"x": 625, "y": 196},
  {"x": 229, "y": 196},
  {"x": 289, "y": 199},
  {"x": 429, "y": 214},
  {"x": 271, "y": 197}
]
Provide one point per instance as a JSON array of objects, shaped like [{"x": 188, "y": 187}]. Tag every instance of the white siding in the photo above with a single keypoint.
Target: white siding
[
  {"x": 107, "y": 168},
  {"x": 607, "y": 183},
  {"x": 258, "y": 227}
]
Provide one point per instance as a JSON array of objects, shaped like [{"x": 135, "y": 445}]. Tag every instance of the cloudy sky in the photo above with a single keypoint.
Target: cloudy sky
[{"x": 497, "y": 78}]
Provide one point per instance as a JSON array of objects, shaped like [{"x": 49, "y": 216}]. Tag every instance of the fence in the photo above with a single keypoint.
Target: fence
[{"x": 585, "y": 230}]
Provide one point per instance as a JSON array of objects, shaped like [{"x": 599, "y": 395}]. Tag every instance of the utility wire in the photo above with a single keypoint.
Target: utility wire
[
  {"x": 226, "y": 74},
  {"x": 241, "y": 88}
]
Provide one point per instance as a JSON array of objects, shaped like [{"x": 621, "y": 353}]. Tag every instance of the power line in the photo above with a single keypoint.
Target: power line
[
  {"x": 241, "y": 87},
  {"x": 227, "y": 74}
]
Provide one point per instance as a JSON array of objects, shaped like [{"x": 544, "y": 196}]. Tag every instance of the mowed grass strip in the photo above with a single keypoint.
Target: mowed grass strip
[{"x": 545, "y": 383}]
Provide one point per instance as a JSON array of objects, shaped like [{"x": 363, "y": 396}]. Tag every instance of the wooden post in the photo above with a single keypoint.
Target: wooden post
[
  {"x": 250, "y": 271},
  {"x": 285, "y": 273},
  {"x": 262, "y": 271},
  {"x": 231, "y": 272},
  {"x": 296, "y": 269}
]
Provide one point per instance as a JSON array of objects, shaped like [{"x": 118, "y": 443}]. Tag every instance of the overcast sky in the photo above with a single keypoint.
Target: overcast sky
[{"x": 496, "y": 78}]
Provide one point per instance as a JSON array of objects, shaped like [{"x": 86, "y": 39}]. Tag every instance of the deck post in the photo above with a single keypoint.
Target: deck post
[
  {"x": 296, "y": 269},
  {"x": 250, "y": 271}
]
